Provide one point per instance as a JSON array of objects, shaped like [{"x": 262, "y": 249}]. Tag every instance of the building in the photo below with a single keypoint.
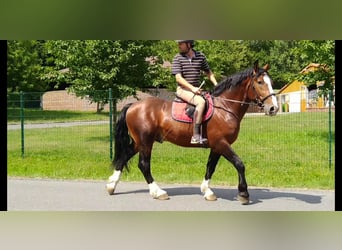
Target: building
[
  {"x": 297, "y": 97},
  {"x": 62, "y": 100}
]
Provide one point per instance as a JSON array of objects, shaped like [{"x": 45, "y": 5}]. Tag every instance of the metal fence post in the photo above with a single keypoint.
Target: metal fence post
[
  {"x": 110, "y": 124},
  {"x": 22, "y": 124},
  {"x": 330, "y": 129}
]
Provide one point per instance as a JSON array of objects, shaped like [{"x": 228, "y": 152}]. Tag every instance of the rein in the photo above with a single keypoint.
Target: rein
[
  {"x": 231, "y": 100},
  {"x": 236, "y": 101}
]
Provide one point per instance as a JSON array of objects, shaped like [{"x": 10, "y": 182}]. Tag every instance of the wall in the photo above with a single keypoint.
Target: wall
[{"x": 62, "y": 100}]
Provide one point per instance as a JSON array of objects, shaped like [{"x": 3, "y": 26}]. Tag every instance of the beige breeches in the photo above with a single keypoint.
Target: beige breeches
[{"x": 196, "y": 100}]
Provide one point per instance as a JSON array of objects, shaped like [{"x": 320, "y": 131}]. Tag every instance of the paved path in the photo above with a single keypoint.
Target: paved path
[
  {"x": 59, "y": 195},
  {"x": 55, "y": 124}
]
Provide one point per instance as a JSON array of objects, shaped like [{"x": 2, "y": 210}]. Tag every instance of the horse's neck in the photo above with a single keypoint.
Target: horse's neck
[{"x": 235, "y": 102}]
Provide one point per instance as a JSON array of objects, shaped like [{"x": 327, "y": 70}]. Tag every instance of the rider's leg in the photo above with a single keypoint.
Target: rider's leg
[
  {"x": 199, "y": 102},
  {"x": 197, "y": 138}
]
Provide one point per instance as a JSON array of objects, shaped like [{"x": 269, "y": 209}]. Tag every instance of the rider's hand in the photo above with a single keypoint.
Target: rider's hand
[{"x": 197, "y": 91}]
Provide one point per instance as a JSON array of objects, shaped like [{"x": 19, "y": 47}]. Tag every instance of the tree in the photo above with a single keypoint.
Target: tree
[
  {"x": 284, "y": 64},
  {"x": 91, "y": 66},
  {"x": 323, "y": 53},
  {"x": 24, "y": 66}
]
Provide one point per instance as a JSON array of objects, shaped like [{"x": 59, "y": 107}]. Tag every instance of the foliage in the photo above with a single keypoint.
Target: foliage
[
  {"x": 323, "y": 53},
  {"x": 284, "y": 64},
  {"x": 163, "y": 52},
  {"x": 85, "y": 66},
  {"x": 94, "y": 65},
  {"x": 225, "y": 57},
  {"x": 24, "y": 66}
]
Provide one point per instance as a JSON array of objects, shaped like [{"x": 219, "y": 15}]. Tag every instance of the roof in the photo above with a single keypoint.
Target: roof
[
  {"x": 312, "y": 67},
  {"x": 309, "y": 68}
]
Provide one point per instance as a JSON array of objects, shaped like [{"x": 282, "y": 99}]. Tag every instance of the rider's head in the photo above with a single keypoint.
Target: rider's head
[
  {"x": 190, "y": 42},
  {"x": 185, "y": 45}
]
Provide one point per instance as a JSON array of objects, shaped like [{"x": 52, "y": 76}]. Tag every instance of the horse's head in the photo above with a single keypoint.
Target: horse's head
[{"x": 261, "y": 91}]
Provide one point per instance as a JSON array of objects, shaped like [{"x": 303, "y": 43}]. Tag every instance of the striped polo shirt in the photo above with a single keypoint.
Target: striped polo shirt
[{"x": 190, "y": 68}]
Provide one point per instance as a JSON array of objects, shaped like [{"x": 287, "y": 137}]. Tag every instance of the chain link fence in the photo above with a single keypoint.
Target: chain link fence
[{"x": 57, "y": 119}]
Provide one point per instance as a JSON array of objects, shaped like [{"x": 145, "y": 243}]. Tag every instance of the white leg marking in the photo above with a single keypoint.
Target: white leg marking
[
  {"x": 208, "y": 193},
  {"x": 113, "y": 181},
  {"x": 115, "y": 176},
  {"x": 205, "y": 186},
  {"x": 156, "y": 192}
]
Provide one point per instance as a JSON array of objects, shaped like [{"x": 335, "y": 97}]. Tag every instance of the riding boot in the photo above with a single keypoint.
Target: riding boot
[{"x": 197, "y": 138}]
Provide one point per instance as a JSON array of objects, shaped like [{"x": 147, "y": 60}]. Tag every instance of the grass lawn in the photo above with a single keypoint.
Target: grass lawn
[{"x": 288, "y": 150}]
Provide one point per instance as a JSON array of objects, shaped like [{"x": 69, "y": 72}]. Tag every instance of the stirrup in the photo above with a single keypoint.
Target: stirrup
[{"x": 198, "y": 140}]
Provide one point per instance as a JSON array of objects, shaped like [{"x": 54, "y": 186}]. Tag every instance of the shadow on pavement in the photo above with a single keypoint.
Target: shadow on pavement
[{"x": 256, "y": 195}]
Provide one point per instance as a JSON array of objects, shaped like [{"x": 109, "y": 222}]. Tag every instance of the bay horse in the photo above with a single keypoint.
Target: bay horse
[{"x": 142, "y": 123}]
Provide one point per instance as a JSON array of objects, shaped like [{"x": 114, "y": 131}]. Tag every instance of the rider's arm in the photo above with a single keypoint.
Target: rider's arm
[{"x": 211, "y": 77}]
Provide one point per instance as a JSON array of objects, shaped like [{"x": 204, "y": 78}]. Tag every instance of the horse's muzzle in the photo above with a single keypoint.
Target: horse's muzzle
[{"x": 270, "y": 110}]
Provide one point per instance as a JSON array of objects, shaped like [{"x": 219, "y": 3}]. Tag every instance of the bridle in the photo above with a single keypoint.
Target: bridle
[{"x": 258, "y": 100}]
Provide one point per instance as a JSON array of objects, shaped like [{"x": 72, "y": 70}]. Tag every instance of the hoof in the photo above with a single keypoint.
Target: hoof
[
  {"x": 211, "y": 197},
  {"x": 243, "y": 200},
  {"x": 110, "y": 188},
  {"x": 159, "y": 194},
  {"x": 209, "y": 194},
  {"x": 163, "y": 197}
]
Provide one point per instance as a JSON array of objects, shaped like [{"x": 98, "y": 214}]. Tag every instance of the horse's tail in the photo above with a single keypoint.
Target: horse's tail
[{"x": 124, "y": 144}]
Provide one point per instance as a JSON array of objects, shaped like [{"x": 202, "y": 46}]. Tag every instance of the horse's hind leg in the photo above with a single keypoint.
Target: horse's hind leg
[
  {"x": 211, "y": 166},
  {"x": 119, "y": 163},
  {"x": 145, "y": 167},
  {"x": 113, "y": 180}
]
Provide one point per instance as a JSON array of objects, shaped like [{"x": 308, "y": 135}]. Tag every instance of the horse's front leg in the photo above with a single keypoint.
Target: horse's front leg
[
  {"x": 231, "y": 156},
  {"x": 205, "y": 186},
  {"x": 145, "y": 167}
]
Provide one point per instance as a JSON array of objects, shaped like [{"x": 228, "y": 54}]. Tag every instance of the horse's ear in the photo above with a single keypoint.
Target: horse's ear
[
  {"x": 266, "y": 67},
  {"x": 256, "y": 66}
]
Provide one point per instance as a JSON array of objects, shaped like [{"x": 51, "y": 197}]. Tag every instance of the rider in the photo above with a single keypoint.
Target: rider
[{"x": 186, "y": 67}]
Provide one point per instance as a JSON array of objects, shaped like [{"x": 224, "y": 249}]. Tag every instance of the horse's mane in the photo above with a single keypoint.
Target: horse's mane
[{"x": 232, "y": 81}]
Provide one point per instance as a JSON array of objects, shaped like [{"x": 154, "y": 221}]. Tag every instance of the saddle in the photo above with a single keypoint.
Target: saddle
[{"x": 183, "y": 111}]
